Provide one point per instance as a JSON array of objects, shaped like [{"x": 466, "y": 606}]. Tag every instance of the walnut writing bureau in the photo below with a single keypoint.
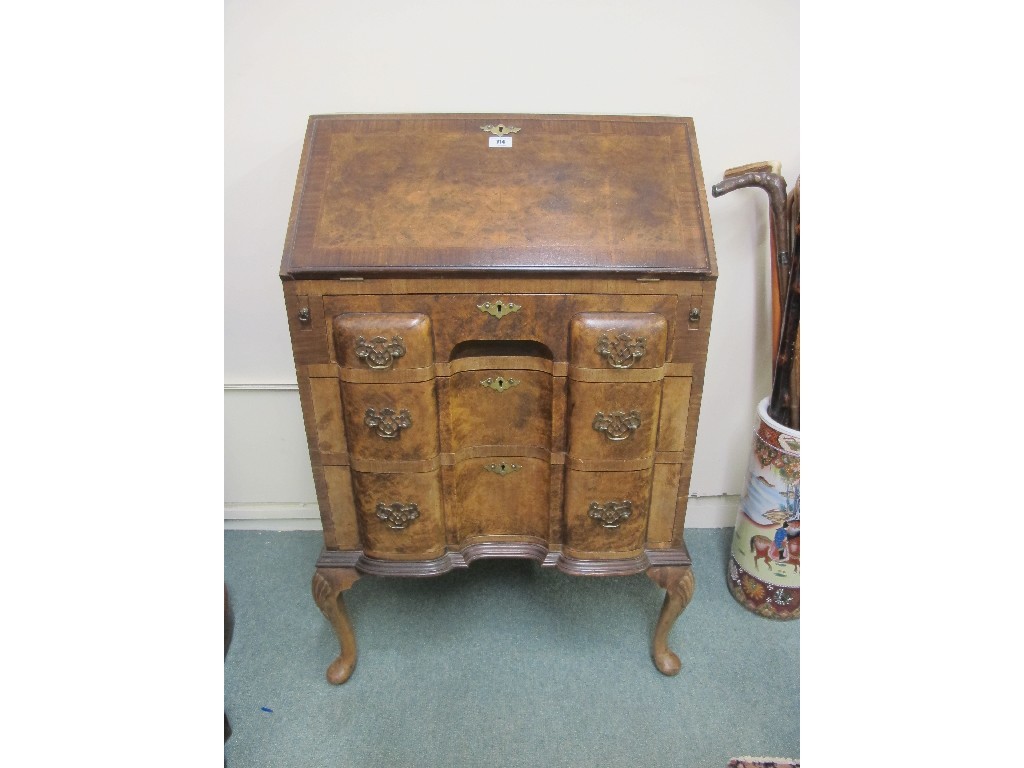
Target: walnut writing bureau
[{"x": 500, "y": 326}]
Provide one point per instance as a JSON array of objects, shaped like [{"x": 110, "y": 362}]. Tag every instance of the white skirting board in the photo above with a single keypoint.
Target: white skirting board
[{"x": 701, "y": 512}]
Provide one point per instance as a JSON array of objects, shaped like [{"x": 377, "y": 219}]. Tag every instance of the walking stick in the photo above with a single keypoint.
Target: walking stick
[
  {"x": 793, "y": 216},
  {"x": 782, "y": 405},
  {"x": 765, "y": 175}
]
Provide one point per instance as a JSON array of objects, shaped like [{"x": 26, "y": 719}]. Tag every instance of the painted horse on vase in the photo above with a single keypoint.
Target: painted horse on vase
[{"x": 765, "y": 549}]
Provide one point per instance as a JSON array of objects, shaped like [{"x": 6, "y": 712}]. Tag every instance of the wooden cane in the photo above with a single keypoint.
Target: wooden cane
[
  {"x": 767, "y": 175},
  {"x": 783, "y": 406},
  {"x": 793, "y": 216}
]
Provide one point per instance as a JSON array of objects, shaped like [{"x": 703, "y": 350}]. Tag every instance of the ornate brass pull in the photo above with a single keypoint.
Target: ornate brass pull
[
  {"x": 611, "y": 514},
  {"x": 499, "y": 308},
  {"x": 503, "y": 468},
  {"x": 378, "y": 352},
  {"x": 387, "y": 423},
  {"x": 397, "y": 516},
  {"x": 500, "y": 383},
  {"x": 622, "y": 350},
  {"x": 617, "y": 425}
]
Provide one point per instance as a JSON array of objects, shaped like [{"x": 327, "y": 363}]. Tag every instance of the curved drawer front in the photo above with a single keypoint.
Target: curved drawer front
[
  {"x": 383, "y": 342},
  {"x": 613, "y": 421},
  {"x": 500, "y": 407},
  {"x": 400, "y": 515},
  {"x": 391, "y": 422},
  {"x": 502, "y": 496},
  {"x": 606, "y": 513},
  {"x": 618, "y": 341}
]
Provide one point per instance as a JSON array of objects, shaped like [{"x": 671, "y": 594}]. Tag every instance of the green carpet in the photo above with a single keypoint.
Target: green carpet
[{"x": 501, "y": 664}]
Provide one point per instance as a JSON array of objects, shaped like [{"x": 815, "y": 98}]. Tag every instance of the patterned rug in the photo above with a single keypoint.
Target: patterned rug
[{"x": 763, "y": 762}]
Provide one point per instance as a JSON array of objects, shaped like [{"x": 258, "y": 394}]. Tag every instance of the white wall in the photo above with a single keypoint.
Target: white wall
[{"x": 732, "y": 65}]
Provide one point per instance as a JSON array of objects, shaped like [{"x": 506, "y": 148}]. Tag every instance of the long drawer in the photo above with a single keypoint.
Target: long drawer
[{"x": 461, "y": 318}]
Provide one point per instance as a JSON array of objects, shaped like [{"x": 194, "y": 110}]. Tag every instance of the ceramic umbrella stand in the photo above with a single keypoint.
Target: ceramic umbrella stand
[{"x": 764, "y": 567}]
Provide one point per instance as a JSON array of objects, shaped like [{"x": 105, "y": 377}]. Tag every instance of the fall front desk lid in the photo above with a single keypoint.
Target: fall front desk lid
[{"x": 379, "y": 194}]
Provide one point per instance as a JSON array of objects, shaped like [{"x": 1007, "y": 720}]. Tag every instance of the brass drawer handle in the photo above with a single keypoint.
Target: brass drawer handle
[
  {"x": 397, "y": 516},
  {"x": 622, "y": 350},
  {"x": 611, "y": 514},
  {"x": 378, "y": 352},
  {"x": 500, "y": 383},
  {"x": 617, "y": 425},
  {"x": 498, "y": 309},
  {"x": 503, "y": 468},
  {"x": 387, "y": 423}
]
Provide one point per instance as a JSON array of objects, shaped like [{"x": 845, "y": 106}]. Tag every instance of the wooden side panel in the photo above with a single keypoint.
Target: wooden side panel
[
  {"x": 675, "y": 413},
  {"x": 316, "y": 463},
  {"x": 680, "y": 523},
  {"x": 342, "y": 507},
  {"x": 309, "y": 339},
  {"x": 664, "y": 499},
  {"x": 330, "y": 431}
]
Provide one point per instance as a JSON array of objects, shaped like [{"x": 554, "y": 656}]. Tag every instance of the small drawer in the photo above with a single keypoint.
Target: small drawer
[
  {"x": 489, "y": 317},
  {"x": 391, "y": 422},
  {"x": 383, "y": 341},
  {"x": 613, "y": 421},
  {"x": 606, "y": 512},
  {"x": 502, "y": 496},
  {"x": 500, "y": 407},
  {"x": 400, "y": 515},
  {"x": 618, "y": 340}
]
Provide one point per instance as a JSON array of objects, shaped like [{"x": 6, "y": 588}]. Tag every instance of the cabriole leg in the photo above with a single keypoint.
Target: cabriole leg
[
  {"x": 328, "y": 584},
  {"x": 678, "y": 583}
]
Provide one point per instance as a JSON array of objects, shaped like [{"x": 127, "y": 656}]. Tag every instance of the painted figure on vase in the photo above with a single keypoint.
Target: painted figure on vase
[{"x": 780, "y": 543}]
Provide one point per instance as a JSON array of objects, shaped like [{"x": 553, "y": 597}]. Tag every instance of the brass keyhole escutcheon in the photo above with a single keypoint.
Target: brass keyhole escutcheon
[
  {"x": 499, "y": 383},
  {"x": 499, "y": 308},
  {"x": 503, "y": 468},
  {"x": 500, "y": 129}
]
